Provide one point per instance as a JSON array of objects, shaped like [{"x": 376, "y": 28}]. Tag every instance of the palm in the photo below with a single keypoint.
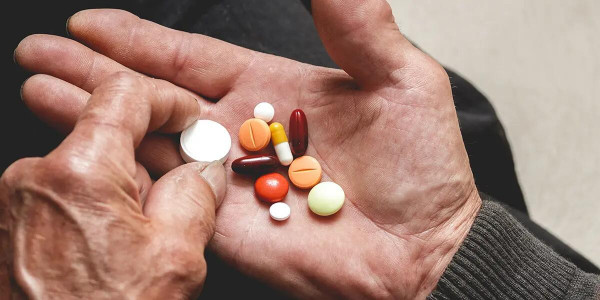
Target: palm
[
  {"x": 391, "y": 142},
  {"x": 371, "y": 143}
]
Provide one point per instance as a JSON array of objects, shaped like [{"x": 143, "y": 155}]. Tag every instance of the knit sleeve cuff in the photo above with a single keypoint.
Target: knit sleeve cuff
[{"x": 500, "y": 259}]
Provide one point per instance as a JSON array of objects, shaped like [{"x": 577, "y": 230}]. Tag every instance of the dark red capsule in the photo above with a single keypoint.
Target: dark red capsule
[
  {"x": 255, "y": 164},
  {"x": 298, "y": 133}
]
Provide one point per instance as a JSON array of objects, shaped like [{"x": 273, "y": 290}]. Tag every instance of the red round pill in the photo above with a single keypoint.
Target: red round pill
[{"x": 271, "y": 187}]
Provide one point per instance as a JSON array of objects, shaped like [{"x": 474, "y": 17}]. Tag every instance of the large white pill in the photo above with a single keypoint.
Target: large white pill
[
  {"x": 264, "y": 111},
  {"x": 279, "y": 211},
  {"x": 326, "y": 198},
  {"x": 205, "y": 141}
]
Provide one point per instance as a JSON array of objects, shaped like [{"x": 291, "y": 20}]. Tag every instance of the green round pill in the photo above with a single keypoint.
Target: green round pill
[{"x": 326, "y": 198}]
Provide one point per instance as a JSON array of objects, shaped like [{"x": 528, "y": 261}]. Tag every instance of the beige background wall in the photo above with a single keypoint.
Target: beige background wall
[{"x": 538, "y": 61}]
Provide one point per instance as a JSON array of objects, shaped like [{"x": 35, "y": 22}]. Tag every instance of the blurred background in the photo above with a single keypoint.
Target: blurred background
[{"x": 538, "y": 62}]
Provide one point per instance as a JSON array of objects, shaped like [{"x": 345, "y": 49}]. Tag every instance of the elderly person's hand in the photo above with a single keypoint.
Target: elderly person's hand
[
  {"x": 384, "y": 128},
  {"x": 86, "y": 222}
]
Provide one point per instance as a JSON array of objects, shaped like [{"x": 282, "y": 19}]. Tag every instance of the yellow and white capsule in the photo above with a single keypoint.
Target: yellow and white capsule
[{"x": 280, "y": 142}]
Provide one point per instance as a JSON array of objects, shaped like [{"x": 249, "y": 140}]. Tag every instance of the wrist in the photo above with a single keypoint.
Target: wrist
[
  {"x": 446, "y": 240},
  {"x": 413, "y": 269}
]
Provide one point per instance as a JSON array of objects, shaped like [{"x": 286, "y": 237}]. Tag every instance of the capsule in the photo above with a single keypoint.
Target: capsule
[
  {"x": 298, "y": 133},
  {"x": 280, "y": 142},
  {"x": 255, "y": 164}
]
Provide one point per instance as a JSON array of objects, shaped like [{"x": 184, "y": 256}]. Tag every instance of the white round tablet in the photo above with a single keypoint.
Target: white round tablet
[
  {"x": 205, "y": 141},
  {"x": 264, "y": 111},
  {"x": 279, "y": 211}
]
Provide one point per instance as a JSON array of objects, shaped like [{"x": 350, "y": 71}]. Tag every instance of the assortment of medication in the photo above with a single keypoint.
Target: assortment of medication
[{"x": 207, "y": 141}]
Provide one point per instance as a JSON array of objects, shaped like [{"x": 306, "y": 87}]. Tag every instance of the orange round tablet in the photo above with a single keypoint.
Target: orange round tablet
[
  {"x": 254, "y": 135},
  {"x": 305, "y": 172}
]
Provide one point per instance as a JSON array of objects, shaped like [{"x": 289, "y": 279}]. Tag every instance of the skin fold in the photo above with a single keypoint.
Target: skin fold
[{"x": 384, "y": 128}]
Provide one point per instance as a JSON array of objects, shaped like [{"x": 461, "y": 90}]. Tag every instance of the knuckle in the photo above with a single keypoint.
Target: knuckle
[
  {"x": 71, "y": 169},
  {"x": 182, "y": 55},
  {"x": 67, "y": 172},
  {"x": 122, "y": 91},
  {"x": 134, "y": 87},
  {"x": 195, "y": 269},
  {"x": 121, "y": 81},
  {"x": 16, "y": 172}
]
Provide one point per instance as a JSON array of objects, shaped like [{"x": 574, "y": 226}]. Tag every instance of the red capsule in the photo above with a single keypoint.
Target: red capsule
[
  {"x": 255, "y": 164},
  {"x": 298, "y": 133}
]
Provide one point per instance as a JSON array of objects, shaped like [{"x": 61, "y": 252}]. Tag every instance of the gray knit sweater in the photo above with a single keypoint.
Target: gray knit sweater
[{"x": 500, "y": 259}]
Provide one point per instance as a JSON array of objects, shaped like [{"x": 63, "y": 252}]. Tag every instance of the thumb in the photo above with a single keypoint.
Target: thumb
[
  {"x": 185, "y": 199},
  {"x": 363, "y": 39}
]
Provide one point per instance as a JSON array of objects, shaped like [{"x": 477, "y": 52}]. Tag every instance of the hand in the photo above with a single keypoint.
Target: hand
[
  {"x": 86, "y": 222},
  {"x": 384, "y": 128}
]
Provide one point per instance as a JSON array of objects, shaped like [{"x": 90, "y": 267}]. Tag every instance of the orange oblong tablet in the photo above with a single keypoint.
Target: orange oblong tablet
[
  {"x": 254, "y": 134},
  {"x": 305, "y": 172}
]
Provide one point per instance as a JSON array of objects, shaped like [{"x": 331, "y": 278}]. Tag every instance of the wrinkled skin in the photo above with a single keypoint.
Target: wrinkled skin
[
  {"x": 384, "y": 128},
  {"x": 84, "y": 224}
]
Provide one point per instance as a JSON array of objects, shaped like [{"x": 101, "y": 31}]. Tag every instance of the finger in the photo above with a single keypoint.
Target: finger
[
  {"x": 202, "y": 64},
  {"x": 363, "y": 39},
  {"x": 4, "y": 240},
  {"x": 59, "y": 104},
  {"x": 11, "y": 178},
  {"x": 118, "y": 115},
  {"x": 159, "y": 153},
  {"x": 70, "y": 61},
  {"x": 54, "y": 101},
  {"x": 66, "y": 59},
  {"x": 185, "y": 199}
]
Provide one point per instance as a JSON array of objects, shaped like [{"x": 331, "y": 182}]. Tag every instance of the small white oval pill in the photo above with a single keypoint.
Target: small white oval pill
[
  {"x": 279, "y": 211},
  {"x": 326, "y": 198},
  {"x": 205, "y": 141},
  {"x": 264, "y": 111}
]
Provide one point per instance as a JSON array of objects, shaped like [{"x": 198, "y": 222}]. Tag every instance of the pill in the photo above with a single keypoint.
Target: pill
[
  {"x": 279, "y": 211},
  {"x": 298, "y": 133},
  {"x": 255, "y": 164},
  {"x": 280, "y": 142},
  {"x": 264, "y": 111},
  {"x": 254, "y": 135},
  {"x": 205, "y": 141},
  {"x": 271, "y": 187},
  {"x": 305, "y": 172},
  {"x": 326, "y": 198}
]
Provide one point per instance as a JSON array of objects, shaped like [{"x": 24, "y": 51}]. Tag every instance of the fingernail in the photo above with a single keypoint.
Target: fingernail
[
  {"x": 214, "y": 174},
  {"x": 67, "y": 26},
  {"x": 21, "y": 90}
]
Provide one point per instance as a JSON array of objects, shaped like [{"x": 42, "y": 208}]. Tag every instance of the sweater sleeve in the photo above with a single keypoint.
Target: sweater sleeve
[{"x": 500, "y": 259}]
